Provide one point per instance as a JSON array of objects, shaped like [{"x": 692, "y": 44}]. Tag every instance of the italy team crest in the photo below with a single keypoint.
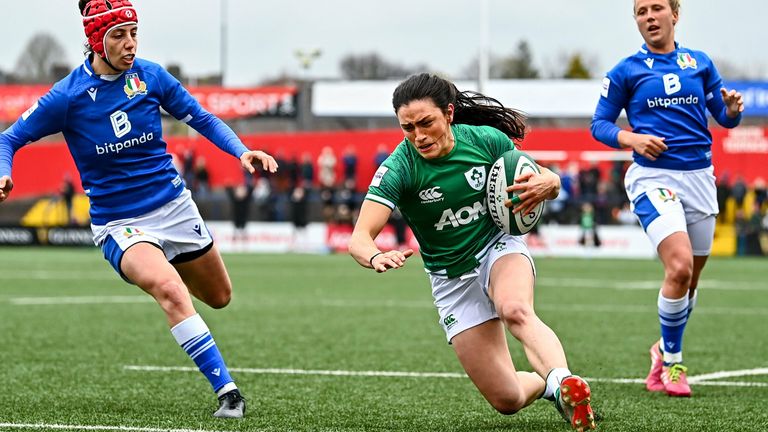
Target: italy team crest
[
  {"x": 134, "y": 86},
  {"x": 476, "y": 177},
  {"x": 666, "y": 194},
  {"x": 132, "y": 231},
  {"x": 685, "y": 61}
]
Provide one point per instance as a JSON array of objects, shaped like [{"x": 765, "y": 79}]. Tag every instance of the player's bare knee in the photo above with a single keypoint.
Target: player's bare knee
[
  {"x": 679, "y": 272},
  {"x": 169, "y": 293},
  {"x": 220, "y": 298},
  {"x": 508, "y": 405},
  {"x": 516, "y": 314}
]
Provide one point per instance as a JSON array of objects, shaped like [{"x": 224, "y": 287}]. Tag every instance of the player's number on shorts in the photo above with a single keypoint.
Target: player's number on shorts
[
  {"x": 671, "y": 83},
  {"x": 120, "y": 123}
]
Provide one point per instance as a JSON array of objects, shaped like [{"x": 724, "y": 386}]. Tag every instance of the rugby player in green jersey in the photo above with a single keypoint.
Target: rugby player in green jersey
[{"x": 482, "y": 279}]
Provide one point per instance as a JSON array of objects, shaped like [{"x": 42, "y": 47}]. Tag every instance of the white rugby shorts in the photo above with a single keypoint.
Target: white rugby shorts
[
  {"x": 176, "y": 228},
  {"x": 463, "y": 302},
  {"x": 668, "y": 201}
]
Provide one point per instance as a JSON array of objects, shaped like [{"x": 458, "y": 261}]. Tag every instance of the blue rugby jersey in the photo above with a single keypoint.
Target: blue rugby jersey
[
  {"x": 112, "y": 128},
  {"x": 665, "y": 95}
]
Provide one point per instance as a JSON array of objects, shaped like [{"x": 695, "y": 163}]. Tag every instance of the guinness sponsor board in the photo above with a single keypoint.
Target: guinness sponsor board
[{"x": 58, "y": 236}]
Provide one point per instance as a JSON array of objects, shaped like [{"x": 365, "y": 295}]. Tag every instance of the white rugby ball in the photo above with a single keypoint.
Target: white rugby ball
[{"x": 509, "y": 166}]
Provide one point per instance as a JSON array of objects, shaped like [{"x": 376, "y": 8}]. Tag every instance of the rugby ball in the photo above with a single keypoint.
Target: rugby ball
[{"x": 509, "y": 166}]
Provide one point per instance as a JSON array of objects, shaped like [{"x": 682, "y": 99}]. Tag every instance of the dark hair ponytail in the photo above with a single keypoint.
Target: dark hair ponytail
[{"x": 470, "y": 107}]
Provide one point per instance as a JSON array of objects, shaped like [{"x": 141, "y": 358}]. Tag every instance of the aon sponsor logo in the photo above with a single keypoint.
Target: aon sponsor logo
[{"x": 462, "y": 216}]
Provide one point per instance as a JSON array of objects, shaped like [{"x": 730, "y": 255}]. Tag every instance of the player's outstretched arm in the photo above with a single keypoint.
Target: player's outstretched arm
[
  {"x": 249, "y": 158},
  {"x": 6, "y": 185},
  {"x": 373, "y": 216}
]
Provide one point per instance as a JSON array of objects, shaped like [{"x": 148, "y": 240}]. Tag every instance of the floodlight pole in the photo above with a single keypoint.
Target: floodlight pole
[
  {"x": 483, "y": 61},
  {"x": 223, "y": 41}
]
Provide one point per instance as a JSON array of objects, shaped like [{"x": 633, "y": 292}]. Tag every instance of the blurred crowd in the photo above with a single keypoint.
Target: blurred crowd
[
  {"x": 305, "y": 188},
  {"x": 324, "y": 188}
]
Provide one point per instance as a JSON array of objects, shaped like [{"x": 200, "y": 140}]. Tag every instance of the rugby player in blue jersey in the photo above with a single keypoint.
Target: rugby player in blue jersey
[
  {"x": 666, "y": 90},
  {"x": 142, "y": 216}
]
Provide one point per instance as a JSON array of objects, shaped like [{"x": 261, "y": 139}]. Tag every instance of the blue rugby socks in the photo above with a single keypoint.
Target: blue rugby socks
[
  {"x": 194, "y": 337},
  {"x": 673, "y": 316}
]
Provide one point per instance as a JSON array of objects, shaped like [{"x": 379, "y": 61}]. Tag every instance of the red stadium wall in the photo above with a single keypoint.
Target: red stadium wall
[{"x": 39, "y": 168}]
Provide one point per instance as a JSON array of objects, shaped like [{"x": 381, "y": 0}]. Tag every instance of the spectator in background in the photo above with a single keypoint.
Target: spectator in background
[
  {"x": 307, "y": 170},
  {"x": 588, "y": 236},
  {"x": 326, "y": 168},
  {"x": 279, "y": 180},
  {"x": 739, "y": 191},
  {"x": 326, "y": 165},
  {"x": 188, "y": 167},
  {"x": 347, "y": 195},
  {"x": 240, "y": 199},
  {"x": 554, "y": 212},
  {"x": 741, "y": 227},
  {"x": 760, "y": 192},
  {"x": 291, "y": 172},
  {"x": 723, "y": 192},
  {"x": 764, "y": 234},
  {"x": 602, "y": 203},
  {"x": 588, "y": 180},
  {"x": 344, "y": 215},
  {"x": 202, "y": 178},
  {"x": 754, "y": 227},
  {"x": 349, "y": 159},
  {"x": 299, "y": 216},
  {"x": 570, "y": 184},
  {"x": 381, "y": 155},
  {"x": 262, "y": 196},
  {"x": 397, "y": 221},
  {"x": 67, "y": 193}
]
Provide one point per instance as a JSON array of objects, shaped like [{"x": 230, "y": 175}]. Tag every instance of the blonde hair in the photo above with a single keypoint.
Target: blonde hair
[{"x": 673, "y": 4}]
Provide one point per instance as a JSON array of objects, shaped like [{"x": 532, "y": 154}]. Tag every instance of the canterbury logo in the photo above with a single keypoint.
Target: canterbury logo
[{"x": 430, "y": 195}]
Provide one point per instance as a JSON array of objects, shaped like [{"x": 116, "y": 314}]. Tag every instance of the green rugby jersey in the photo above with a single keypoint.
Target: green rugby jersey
[{"x": 443, "y": 199}]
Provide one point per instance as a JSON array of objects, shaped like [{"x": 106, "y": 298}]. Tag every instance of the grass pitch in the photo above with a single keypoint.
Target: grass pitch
[{"x": 309, "y": 337}]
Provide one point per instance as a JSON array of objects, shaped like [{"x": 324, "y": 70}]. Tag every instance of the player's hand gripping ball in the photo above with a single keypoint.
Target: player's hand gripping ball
[{"x": 509, "y": 166}]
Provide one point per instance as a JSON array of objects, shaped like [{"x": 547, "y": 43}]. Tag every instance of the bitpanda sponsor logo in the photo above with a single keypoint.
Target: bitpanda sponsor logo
[
  {"x": 672, "y": 85},
  {"x": 116, "y": 148},
  {"x": 431, "y": 195},
  {"x": 668, "y": 102}
]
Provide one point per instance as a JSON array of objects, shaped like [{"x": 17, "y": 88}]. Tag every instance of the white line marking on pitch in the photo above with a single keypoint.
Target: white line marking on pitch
[
  {"x": 700, "y": 379},
  {"x": 304, "y": 372},
  {"x": 654, "y": 284},
  {"x": 28, "y": 301},
  {"x": 730, "y": 374},
  {"x": 45, "y": 426},
  {"x": 618, "y": 308},
  {"x": 56, "y": 275}
]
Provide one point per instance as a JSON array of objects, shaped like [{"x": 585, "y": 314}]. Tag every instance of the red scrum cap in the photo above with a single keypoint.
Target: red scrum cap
[{"x": 101, "y": 16}]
